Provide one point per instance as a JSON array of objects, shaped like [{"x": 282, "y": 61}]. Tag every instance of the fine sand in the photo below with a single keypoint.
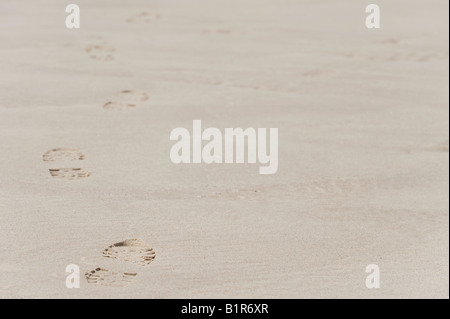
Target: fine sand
[{"x": 363, "y": 119}]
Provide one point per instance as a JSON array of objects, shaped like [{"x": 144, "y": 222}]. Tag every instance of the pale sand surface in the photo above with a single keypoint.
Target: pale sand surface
[{"x": 363, "y": 142}]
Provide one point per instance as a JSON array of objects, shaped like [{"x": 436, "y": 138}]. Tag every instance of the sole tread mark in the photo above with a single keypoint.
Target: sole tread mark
[
  {"x": 109, "y": 278},
  {"x": 131, "y": 250},
  {"x": 63, "y": 153},
  {"x": 69, "y": 173}
]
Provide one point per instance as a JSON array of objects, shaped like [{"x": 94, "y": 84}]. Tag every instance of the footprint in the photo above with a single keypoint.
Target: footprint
[
  {"x": 69, "y": 173},
  {"x": 66, "y": 154},
  {"x": 145, "y": 17},
  {"x": 131, "y": 250},
  {"x": 59, "y": 154},
  {"x": 101, "y": 52},
  {"x": 126, "y": 99},
  {"x": 109, "y": 278}
]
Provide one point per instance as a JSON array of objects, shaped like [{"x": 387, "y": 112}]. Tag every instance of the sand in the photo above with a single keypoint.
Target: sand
[{"x": 363, "y": 119}]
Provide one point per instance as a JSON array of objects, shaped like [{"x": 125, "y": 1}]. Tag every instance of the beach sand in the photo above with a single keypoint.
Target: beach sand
[{"x": 363, "y": 119}]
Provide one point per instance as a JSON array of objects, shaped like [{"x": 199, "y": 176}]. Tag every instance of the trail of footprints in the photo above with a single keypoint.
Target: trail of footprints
[
  {"x": 136, "y": 251},
  {"x": 131, "y": 250},
  {"x": 66, "y": 155},
  {"x": 105, "y": 52}
]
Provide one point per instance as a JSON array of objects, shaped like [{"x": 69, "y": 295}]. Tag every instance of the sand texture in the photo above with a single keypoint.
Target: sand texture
[{"x": 86, "y": 177}]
